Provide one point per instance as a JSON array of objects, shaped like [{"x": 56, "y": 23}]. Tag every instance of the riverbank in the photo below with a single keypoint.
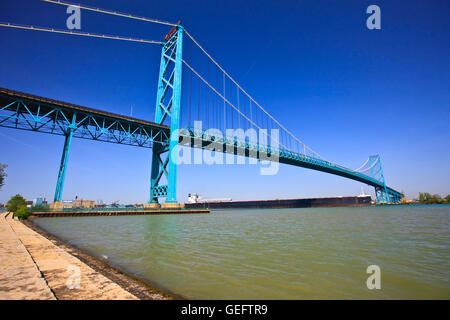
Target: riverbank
[
  {"x": 35, "y": 265},
  {"x": 133, "y": 285}
]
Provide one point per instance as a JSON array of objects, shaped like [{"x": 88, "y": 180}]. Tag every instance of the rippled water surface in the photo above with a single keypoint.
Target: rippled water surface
[{"x": 275, "y": 253}]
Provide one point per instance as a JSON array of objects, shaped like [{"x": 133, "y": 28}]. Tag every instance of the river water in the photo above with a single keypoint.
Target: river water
[{"x": 314, "y": 253}]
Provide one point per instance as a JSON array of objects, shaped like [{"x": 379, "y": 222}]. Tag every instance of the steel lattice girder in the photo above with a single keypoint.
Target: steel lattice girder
[
  {"x": 159, "y": 166},
  {"x": 33, "y": 113},
  {"x": 201, "y": 139}
]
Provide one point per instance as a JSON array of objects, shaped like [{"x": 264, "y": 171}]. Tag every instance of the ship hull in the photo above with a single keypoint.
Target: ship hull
[{"x": 285, "y": 203}]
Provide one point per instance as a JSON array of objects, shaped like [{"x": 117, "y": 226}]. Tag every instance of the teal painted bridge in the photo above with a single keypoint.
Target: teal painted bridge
[
  {"x": 29, "y": 112},
  {"x": 192, "y": 89}
]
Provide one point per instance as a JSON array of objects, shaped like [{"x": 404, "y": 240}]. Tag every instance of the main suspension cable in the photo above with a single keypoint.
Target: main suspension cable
[
  {"x": 192, "y": 38},
  {"x": 373, "y": 164},
  {"x": 77, "y": 33},
  {"x": 248, "y": 95},
  {"x": 362, "y": 165},
  {"x": 115, "y": 13},
  {"x": 227, "y": 101}
]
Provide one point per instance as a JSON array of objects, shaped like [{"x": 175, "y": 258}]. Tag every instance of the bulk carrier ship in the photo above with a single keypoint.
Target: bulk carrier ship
[{"x": 194, "y": 201}]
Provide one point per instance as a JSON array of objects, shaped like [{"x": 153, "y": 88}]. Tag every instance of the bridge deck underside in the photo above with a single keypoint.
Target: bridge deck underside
[
  {"x": 263, "y": 152},
  {"x": 29, "y": 112}
]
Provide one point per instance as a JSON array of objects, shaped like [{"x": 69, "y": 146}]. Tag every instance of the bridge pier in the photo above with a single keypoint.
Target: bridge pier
[
  {"x": 381, "y": 195},
  {"x": 63, "y": 166},
  {"x": 152, "y": 205}
]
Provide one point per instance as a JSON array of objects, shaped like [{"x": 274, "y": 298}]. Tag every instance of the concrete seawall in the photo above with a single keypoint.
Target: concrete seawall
[
  {"x": 34, "y": 267},
  {"x": 77, "y": 213}
]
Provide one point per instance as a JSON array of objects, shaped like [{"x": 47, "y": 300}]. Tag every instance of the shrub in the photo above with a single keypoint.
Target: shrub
[{"x": 22, "y": 213}]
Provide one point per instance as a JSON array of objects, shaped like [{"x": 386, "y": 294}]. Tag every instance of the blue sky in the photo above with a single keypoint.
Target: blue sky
[{"x": 347, "y": 91}]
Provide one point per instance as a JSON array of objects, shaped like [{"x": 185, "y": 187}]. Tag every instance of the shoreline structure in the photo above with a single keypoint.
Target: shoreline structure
[{"x": 35, "y": 267}]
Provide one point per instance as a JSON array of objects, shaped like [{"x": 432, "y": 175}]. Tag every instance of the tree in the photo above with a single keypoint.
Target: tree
[
  {"x": 447, "y": 198},
  {"x": 421, "y": 197},
  {"x": 15, "y": 203},
  {"x": 436, "y": 199},
  {"x": 2, "y": 174},
  {"x": 432, "y": 198}
]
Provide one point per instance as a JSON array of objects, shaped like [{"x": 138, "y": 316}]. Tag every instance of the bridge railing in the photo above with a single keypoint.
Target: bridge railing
[
  {"x": 34, "y": 115},
  {"x": 235, "y": 141}
]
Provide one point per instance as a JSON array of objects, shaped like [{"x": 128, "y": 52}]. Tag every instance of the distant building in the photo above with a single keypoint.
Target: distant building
[
  {"x": 39, "y": 201},
  {"x": 72, "y": 204}
]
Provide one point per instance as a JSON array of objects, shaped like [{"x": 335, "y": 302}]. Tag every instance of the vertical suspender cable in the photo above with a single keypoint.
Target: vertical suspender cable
[
  {"x": 198, "y": 97},
  {"x": 232, "y": 113},
  {"x": 217, "y": 101},
  {"x": 239, "y": 116},
  {"x": 245, "y": 92},
  {"x": 190, "y": 91},
  {"x": 224, "y": 106},
  {"x": 207, "y": 99},
  {"x": 251, "y": 116}
]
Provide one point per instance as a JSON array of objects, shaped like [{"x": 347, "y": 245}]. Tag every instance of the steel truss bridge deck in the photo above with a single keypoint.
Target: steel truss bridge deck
[
  {"x": 34, "y": 113},
  {"x": 233, "y": 145}
]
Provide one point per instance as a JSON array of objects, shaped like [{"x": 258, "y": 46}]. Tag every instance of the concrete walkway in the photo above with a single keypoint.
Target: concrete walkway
[
  {"x": 19, "y": 277},
  {"x": 26, "y": 255}
]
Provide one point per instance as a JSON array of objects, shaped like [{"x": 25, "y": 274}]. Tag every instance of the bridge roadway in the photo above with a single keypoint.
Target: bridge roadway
[
  {"x": 35, "y": 113},
  {"x": 263, "y": 152}
]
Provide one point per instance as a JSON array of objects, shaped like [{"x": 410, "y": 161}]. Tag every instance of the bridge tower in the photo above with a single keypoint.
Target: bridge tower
[
  {"x": 376, "y": 172},
  {"x": 168, "y": 103}
]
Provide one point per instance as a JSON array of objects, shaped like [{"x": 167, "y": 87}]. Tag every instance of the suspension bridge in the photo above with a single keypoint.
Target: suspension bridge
[{"x": 192, "y": 89}]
